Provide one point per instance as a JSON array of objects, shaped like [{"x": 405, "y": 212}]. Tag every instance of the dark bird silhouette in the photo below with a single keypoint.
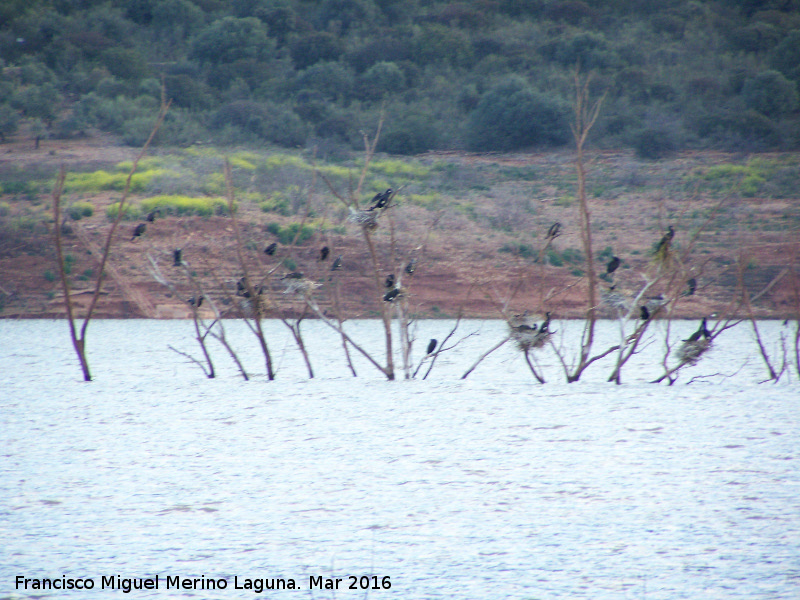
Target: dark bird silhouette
[
  {"x": 323, "y": 254},
  {"x": 177, "y": 261},
  {"x": 196, "y": 301},
  {"x": 140, "y": 229},
  {"x": 391, "y": 295},
  {"x": 389, "y": 280},
  {"x": 644, "y": 313},
  {"x": 151, "y": 216},
  {"x": 337, "y": 264},
  {"x": 613, "y": 264},
  {"x": 293, "y": 275},
  {"x": 241, "y": 288},
  {"x": 411, "y": 266},
  {"x": 544, "y": 327},
  {"x": 380, "y": 200},
  {"x": 431, "y": 346},
  {"x": 554, "y": 231},
  {"x": 271, "y": 248},
  {"x": 666, "y": 239},
  {"x": 692, "y": 283},
  {"x": 702, "y": 331}
]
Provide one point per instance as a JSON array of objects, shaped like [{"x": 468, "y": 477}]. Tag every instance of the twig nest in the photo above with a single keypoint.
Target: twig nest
[
  {"x": 614, "y": 300},
  {"x": 302, "y": 287},
  {"x": 527, "y": 336},
  {"x": 368, "y": 219},
  {"x": 690, "y": 352},
  {"x": 654, "y": 303}
]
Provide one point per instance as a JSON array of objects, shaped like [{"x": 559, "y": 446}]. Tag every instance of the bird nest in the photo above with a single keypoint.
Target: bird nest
[
  {"x": 527, "y": 337},
  {"x": 368, "y": 219},
  {"x": 615, "y": 300},
  {"x": 301, "y": 287},
  {"x": 690, "y": 352}
]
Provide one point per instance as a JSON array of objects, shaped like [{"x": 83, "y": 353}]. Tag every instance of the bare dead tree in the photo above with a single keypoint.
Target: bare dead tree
[
  {"x": 78, "y": 335},
  {"x": 215, "y": 329},
  {"x": 586, "y": 114},
  {"x": 253, "y": 317},
  {"x": 367, "y": 221}
]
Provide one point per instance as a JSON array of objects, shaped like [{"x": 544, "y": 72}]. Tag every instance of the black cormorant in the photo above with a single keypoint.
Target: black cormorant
[
  {"x": 412, "y": 264},
  {"x": 323, "y": 254},
  {"x": 337, "y": 264},
  {"x": 644, "y": 313},
  {"x": 271, "y": 248},
  {"x": 432, "y": 346},
  {"x": 389, "y": 280},
  {"x": 177, "y": 261},
  {"x": 293, "y": 275},
  {"x": 692, "y": 283},
  {"x": 196, "y": 301},
  {"x": 380, "y": 200},
  {"x": 151, "y": 216},
  {"x": 554, "y": 231},
  {"x": 546, "y": 324},
  {"x": 666, "y": 239},
  {"x": 702, "y": 331},
  {"x": 391, "y": 295},
  {"x": 613, "y": 264},
  {"x": 140, "y": 229}
]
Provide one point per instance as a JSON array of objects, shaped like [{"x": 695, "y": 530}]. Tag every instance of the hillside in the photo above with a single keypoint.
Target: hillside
[
  {"x": 475, "y": 222},
  {"x": 469, "y": 75}
]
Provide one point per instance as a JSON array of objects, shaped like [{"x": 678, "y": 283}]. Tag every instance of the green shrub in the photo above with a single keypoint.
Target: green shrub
[
  {"x": 5, "y": 208},
  {"x": 69, "y": 261},
  {"x": 78, "y": 210},
  {"x": 230, "y": 39},
  {"x": 654, "y": 143},
  {"x": 512, "y": 116},
  {"x": 131, "y": 212},
  {"x": 286, "y": 234},
  {"x": 185, "y": 205},
  {"x": 49, "y": 276},
  {"x": 554, "y": 258},
  {"x": 770, "y": 93},
  {"x": 409, "y": 134},
  {"x": 276, "y": 203}
]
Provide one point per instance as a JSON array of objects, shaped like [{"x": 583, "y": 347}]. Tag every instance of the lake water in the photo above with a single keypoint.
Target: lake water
[{"x": 491, "y": 487}]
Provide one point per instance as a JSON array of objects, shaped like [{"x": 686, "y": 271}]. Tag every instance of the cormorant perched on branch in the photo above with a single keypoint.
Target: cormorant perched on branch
[
  {"x": 196, "y": 301},
  {"x": 293, "y": 275},
  {"x": 702, "y": 331},
  {"x": 644, "y": 313},
  {"x": 613, "y": 264},
  {"x": 546, "y": 324},
  {"x": 391, "y": 295},
  {"x": 177, "y": 261},
  {"x": 389, "y": 280},
  {"x": 692, "y": 283},
  {"x": 271, "y": 248},
  {"x": 323, "y": 254},
  {"x": 412, "y": 264},
  {"x": 151, "y": 216},
  {"x": 554, "y": 231},
  {"x": 337, "y": 264},
  {"x": 431, "y": 346},
  {"x": 380, "y": 200},
  {"x": 140, "y": 229},
  {"x": 666, "y": 239}
]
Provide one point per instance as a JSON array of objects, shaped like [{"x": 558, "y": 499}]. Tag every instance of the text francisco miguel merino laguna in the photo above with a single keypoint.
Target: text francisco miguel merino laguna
[{"x": 169, "y": 582}]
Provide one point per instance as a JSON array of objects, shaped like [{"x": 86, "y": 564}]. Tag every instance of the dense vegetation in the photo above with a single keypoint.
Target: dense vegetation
[{"x": 475, "y": 74}]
